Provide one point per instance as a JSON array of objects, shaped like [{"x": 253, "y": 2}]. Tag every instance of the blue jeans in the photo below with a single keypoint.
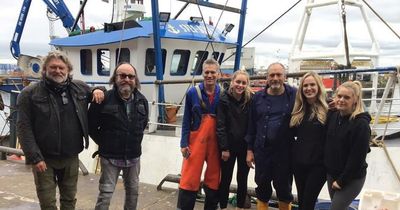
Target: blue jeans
[{"x": 108, "y": 180}]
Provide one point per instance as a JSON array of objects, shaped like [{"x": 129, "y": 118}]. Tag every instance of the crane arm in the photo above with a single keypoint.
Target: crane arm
[{"x": 58, "y": 7}]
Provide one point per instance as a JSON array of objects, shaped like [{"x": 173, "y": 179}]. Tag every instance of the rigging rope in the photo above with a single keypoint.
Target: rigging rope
[
  {"x": 398, "y": 36},
  {"x": 122, "y": 31},
  {"x": 262, "y": 31},
  {"x": 208, "y": 43}
]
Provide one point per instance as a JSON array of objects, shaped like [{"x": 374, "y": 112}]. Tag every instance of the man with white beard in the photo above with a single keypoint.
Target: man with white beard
[
  {"x": 117, "y": 126},
  {"x": 269, "y": 139},
  {"x": 52, "y": 126}
]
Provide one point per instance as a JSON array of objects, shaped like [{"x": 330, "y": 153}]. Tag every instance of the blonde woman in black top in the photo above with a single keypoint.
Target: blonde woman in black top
[
  {"x": 347, "y": 145},
  {"x": 232, "y": 119},
  {"x": 309, "y": 120}
]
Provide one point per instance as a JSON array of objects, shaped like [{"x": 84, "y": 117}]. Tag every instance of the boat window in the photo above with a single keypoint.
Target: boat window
[
  {"x": 215, "y": 55},
  {"x": 86, "y": 62},
  {"x": 221, "y": 58},
  {"x": 150, "y": 67},
  {"x": 197, "y": 67},
  {"x": 123, "y": 57},
  {"x": 103, "y": 62},
  {"x": 180, "y": 61}
]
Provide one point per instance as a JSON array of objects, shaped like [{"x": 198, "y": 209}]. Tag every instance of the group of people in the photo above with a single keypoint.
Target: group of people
[
  {"x": 281, "y": 131},
  {"x": 54, "y": 125}
]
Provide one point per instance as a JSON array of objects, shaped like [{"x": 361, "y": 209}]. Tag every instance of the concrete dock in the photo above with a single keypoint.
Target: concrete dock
[{"x": 17, "y": 191}]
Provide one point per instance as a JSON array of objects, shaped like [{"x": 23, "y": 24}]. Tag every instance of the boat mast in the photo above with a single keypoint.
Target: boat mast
[
  {"x": 159, "y": 64},
  {"x": 240, "y": 35}
]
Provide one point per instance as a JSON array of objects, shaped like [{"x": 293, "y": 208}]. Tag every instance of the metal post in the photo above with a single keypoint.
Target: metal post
[
  {"x": 240, "y": 35},
  {"x": 13, "y": 119},
  {"x": 389, "y": 85},
  {"x": 159, "y": 64}
]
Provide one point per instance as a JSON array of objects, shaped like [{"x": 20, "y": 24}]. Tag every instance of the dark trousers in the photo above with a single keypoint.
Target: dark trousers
[
  {"x": 63, "y": 173},
  {"x": 187, "y": 199},
  {"x": 341, "y": 199},
  {"x": 277, "y": 171},
  {"x": 226, "y": 178},
  {"x": 309, "y": 181}
]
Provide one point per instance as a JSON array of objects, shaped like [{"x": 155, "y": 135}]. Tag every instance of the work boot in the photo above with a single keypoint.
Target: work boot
[
  {"x": 186, "y": 199},
  {"x": 211, "y": 202},
  {"x": 261, "y": 205},
  {"x": 285, "y": 206}
]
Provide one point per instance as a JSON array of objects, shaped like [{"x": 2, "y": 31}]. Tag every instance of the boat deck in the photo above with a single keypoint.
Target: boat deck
[{"x": 17, "y": 191}]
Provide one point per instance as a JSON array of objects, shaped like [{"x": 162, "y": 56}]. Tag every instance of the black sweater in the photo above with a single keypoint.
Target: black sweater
[
  {"x": 346, "y": 147},
  {"x": 232, "y": 120},
  {"x": 308, "y": 148}
]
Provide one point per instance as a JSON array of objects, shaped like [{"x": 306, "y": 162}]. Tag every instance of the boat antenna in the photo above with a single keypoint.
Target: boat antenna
[
  {"x": 112, "y": 13},
  {"x": 122, "y": 31},
  {"x": 262, "y": 31},
  {"x": 369, "y": 6},
  {"x": 205, "y": 26}
]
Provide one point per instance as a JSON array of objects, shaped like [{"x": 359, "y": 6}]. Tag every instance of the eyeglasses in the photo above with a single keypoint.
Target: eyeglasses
[{"x": 123, "y": 76}]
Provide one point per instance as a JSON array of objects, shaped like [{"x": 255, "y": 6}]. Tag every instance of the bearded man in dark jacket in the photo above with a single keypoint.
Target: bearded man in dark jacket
[
  {"x": 51, "y": 126},
  {"x": 117, "y": 126}
]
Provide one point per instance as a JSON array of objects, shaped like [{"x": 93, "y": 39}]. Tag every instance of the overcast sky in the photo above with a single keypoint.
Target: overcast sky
[{"x": 324, "y": 30}]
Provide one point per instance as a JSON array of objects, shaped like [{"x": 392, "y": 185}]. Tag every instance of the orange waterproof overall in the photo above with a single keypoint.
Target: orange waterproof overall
[{"x": 203, "y": 147}]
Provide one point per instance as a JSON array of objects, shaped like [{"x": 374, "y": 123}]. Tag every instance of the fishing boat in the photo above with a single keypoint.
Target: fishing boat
[{"x": 167, "y": 50}]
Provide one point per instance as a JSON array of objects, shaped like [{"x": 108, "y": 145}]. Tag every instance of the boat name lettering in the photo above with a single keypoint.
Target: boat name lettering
[
  {"x": 192, "y": 29},
  {"x": 172, "y": 29}
]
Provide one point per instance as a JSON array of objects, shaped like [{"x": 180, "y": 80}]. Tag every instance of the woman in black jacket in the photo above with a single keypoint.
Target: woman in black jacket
[
  {"x": 309, "y": 119},
  {"x": 232, "y": 117},
  {"x": 347, "y": 145}
]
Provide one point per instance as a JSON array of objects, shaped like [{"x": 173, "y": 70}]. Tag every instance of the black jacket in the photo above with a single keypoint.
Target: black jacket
[
  {"x": 347, "y": 145},
  {"x": 38, "y": 121},
  {"x": 232, "y": 119},
  {"x": 109, "y": 126},
  {"x": 308, "y": 148}
]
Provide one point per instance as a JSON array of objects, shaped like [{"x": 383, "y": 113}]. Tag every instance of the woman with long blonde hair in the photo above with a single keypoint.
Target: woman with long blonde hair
[
  {"x": 232, "y": 119},
  {"x": 347, "y": 145},
  {"x": 309, "y": 119}
]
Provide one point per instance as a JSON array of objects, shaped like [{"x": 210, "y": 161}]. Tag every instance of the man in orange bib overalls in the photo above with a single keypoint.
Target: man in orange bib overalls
[{"x": 199, "y": 141}]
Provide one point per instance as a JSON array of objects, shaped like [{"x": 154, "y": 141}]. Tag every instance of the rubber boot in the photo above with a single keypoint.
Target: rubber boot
[
  {"x": 285, "y": 206},
  {"x": 261, "y": 205},
  {"x": 211, "y": 202},
  {"x": 186, "y": 199}
]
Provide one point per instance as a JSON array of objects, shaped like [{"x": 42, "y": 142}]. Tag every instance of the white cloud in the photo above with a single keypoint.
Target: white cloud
[{"x": 275, "y": 43}]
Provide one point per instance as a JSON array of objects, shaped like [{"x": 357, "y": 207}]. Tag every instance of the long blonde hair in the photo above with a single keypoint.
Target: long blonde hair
[
  {"x": 319, "y": 109},
  {"x": 356, "y": 87},
  {"x": 247, "y": 91}
]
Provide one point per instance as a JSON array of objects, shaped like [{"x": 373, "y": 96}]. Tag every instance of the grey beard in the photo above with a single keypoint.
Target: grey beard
[{"x": 125, "y": 91}]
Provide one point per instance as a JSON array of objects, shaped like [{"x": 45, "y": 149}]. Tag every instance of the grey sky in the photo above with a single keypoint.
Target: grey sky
[{"x": 275, "y": 44}]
